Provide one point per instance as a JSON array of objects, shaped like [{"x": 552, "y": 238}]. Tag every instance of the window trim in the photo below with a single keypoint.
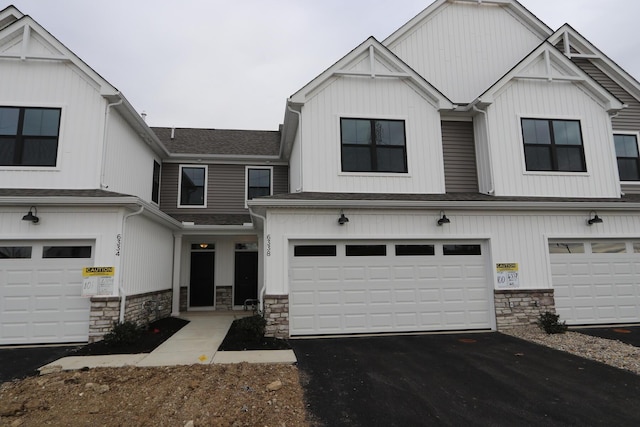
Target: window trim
[
  {"x": 206, "y": 178},
  {"x": 246, "y": 181},
  {"x": 155, "y": 192},
  {"x": 60, "y": 138},
  {"x": 627, "y": 133},
  {"x": 526, "y": 171},
  {"x": 372, "y": 172}
]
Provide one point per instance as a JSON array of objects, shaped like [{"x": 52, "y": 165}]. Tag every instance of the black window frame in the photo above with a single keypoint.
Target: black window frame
[
  {"x": 20, "y": 140},
  {"x": 553, "y": 147},
  {"x": 373, "y": 146},
  {"x": 365, "y": 250},
  {"x": 251, "y": 196},
  {"x": 66, "y": 251},
  {"x": 155, "y": 183},
  {"x": 634, "y": 160},
  {"x": 314, "y": 251},
  {"x": 182, "y": 188}
]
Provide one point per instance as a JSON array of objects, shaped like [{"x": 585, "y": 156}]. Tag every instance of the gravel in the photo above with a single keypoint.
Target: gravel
[{"x": 610, "y": 352}]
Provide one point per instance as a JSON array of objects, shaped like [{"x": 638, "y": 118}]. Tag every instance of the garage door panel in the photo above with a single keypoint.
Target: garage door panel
[
  {"x": 592, "y": 288},
  {"x": 392, "y": 293}
]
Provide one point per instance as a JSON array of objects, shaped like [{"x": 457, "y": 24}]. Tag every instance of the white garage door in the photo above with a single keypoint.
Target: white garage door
[
  {"x": 363, "y": 287},
  {"x": 596, "y": 282},
  {"x": 40, "y": 292}
]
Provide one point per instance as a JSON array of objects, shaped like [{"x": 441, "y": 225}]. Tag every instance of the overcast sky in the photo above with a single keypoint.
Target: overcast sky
[{"x": 232, "y": 64}]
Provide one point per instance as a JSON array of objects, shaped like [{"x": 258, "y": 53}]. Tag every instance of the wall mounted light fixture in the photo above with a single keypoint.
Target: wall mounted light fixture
[
  {"x": 343, "y": 219},
  {"x": 443, "y": 219},
  {"x": 595, "y": 219},
  {"x": 32, "y": 215}
]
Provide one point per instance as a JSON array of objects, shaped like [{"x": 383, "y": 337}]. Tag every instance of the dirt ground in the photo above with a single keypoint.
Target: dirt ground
[{"x": 207, "y": 395}]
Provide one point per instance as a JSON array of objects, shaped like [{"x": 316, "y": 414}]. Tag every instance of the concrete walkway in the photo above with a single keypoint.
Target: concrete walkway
[{"x": 196, "y": 343}]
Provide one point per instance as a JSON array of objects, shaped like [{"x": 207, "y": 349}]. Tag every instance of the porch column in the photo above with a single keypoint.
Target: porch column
[{"x": 177, "y": 257}]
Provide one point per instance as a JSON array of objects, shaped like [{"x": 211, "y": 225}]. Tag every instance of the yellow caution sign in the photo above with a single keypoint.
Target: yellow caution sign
[{"x": 98, "y": 271}]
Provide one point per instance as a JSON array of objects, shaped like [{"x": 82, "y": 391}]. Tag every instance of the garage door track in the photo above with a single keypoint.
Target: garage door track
[{"x": 460, "y": 379}]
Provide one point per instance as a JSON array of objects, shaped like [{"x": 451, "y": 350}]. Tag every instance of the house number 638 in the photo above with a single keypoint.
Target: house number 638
[{"x": 268, "y": 244}]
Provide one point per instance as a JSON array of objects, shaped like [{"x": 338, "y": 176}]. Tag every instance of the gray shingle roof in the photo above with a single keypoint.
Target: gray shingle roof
[
  {"x": 453, "y": 197},
  {"x": 215, "y": 219},
  {"x": 220, "y": 141},
  {"x": 44, "y": 192}
]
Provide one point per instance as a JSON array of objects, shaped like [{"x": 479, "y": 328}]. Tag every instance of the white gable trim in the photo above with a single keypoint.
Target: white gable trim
[
  {"x": 573, "y": 39},
  {"x": 513, "y": 7},
  {"x": 557, "y": 68},
  {"x": 377, "y": 53}
]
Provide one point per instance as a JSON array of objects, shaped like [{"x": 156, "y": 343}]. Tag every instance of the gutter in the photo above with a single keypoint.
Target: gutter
[
  {"x": 514, "y": 205},
  {"x": 299, "y": 129},
  {"x": 263, "y": 289},
  {"x": 123, "y": 295},
  {"x": 105, "y": 135}
]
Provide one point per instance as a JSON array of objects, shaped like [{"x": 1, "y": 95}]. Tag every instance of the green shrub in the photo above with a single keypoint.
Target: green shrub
[
  {"x": 550, "y": 323},
  {"x": 252, "y": 327},
  {"x": 123, "y": 334}
]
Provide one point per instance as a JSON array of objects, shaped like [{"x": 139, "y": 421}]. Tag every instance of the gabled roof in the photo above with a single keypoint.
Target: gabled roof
[
  {"x": 513, "y": 7},
  {"x": 23, "y": 39},
  {"x": 382, "y": 63},
  {"x": 576, "y": 46},
  {"x": 219, "y": 142},
  {"x": 547, "y": 63}
]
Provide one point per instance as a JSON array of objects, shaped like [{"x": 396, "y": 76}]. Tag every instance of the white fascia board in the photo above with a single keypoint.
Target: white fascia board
[
  {"x": 609, "y": 102},
  {"x": 446, "y": 204},
  {"x": 223, "y": 158},
  {"x": 608, "y": 66},
  {"x": 516, "y": 9},
  {"x": 217, "y": 230}
]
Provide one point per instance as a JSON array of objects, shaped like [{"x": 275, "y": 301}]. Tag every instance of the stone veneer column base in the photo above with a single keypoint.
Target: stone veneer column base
[
  {"x": 521, "y": 307},
  {"x": 141, "y": 309},
  {"x": 184, "y": 294},
  {"x": 276, "y": 313},
  {"x": 224, "y": 298}
]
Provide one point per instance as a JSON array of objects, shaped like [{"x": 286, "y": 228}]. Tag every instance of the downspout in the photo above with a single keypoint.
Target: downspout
[
  {"x": 104, "y": 140},
  {"x": 263, "y": 289},
  {"x": 490, "y": 155},
  {"x": 298, "y": 190},
  {"x": 123, "y": 296}
]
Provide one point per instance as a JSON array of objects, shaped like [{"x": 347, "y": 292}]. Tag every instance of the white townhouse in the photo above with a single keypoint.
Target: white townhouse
[{"x": 470, "y": 171}]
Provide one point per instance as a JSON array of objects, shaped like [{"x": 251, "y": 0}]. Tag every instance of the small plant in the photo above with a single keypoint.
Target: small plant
[
  {"x": 252, "y": 327},
  {"x": 123, "y": 334},
  {"x": 550, "y": 323}
]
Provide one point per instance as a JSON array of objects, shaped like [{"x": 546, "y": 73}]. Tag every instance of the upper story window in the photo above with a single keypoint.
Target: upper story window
[
  {"x": 29, "y": 136},
  {"x": 371, "y": 145},
  {"x": 553, "y": 145},
  {"x": 627, "y": 155},
  {"x": 193, "y": 186},
  {"x": 155, "y": 186},
  {"x": 259, "y": 182}
]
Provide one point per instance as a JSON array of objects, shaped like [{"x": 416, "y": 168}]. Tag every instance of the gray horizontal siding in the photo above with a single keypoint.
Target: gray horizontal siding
[
  {"x": 629, "y": 118},
  {"x": 225, "y": 189},
  {"x": 460, "y": 172}
]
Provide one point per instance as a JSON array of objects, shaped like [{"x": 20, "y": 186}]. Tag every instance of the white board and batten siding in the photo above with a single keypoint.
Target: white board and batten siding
[
  {"x": 388, "y": 292},
  {"x": 367, "y": 98},
  {"x": 464, "y": 37},
  {"x": 544, "y": 100},
  {"x": 80, "y": 132}
]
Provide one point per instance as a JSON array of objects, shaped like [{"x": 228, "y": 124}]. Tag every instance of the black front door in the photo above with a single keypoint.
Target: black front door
[
  {"x": 246, "y": 277},
  {"x": 201, "y": 287}
]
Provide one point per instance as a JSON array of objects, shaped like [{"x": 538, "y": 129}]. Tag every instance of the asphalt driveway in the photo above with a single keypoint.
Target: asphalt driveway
[
  {"x": 21, "y": 362},
  {"x": 460, "y": 379},
  {"x": 626, "y": 334}
]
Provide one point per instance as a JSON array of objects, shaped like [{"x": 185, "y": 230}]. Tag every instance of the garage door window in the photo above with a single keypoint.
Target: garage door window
[
  {"x": 461, "y": 250},
  {"x": 15, "y": 252},
  {"x": 66, "y": 252},
  {"x": 566, "y": 248},
  {"x": 314, "y": 250},
  {"x": 415, "y": 250},
  {"x": 608, "y": 248},
  {"x": 366, "y": 250}
]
